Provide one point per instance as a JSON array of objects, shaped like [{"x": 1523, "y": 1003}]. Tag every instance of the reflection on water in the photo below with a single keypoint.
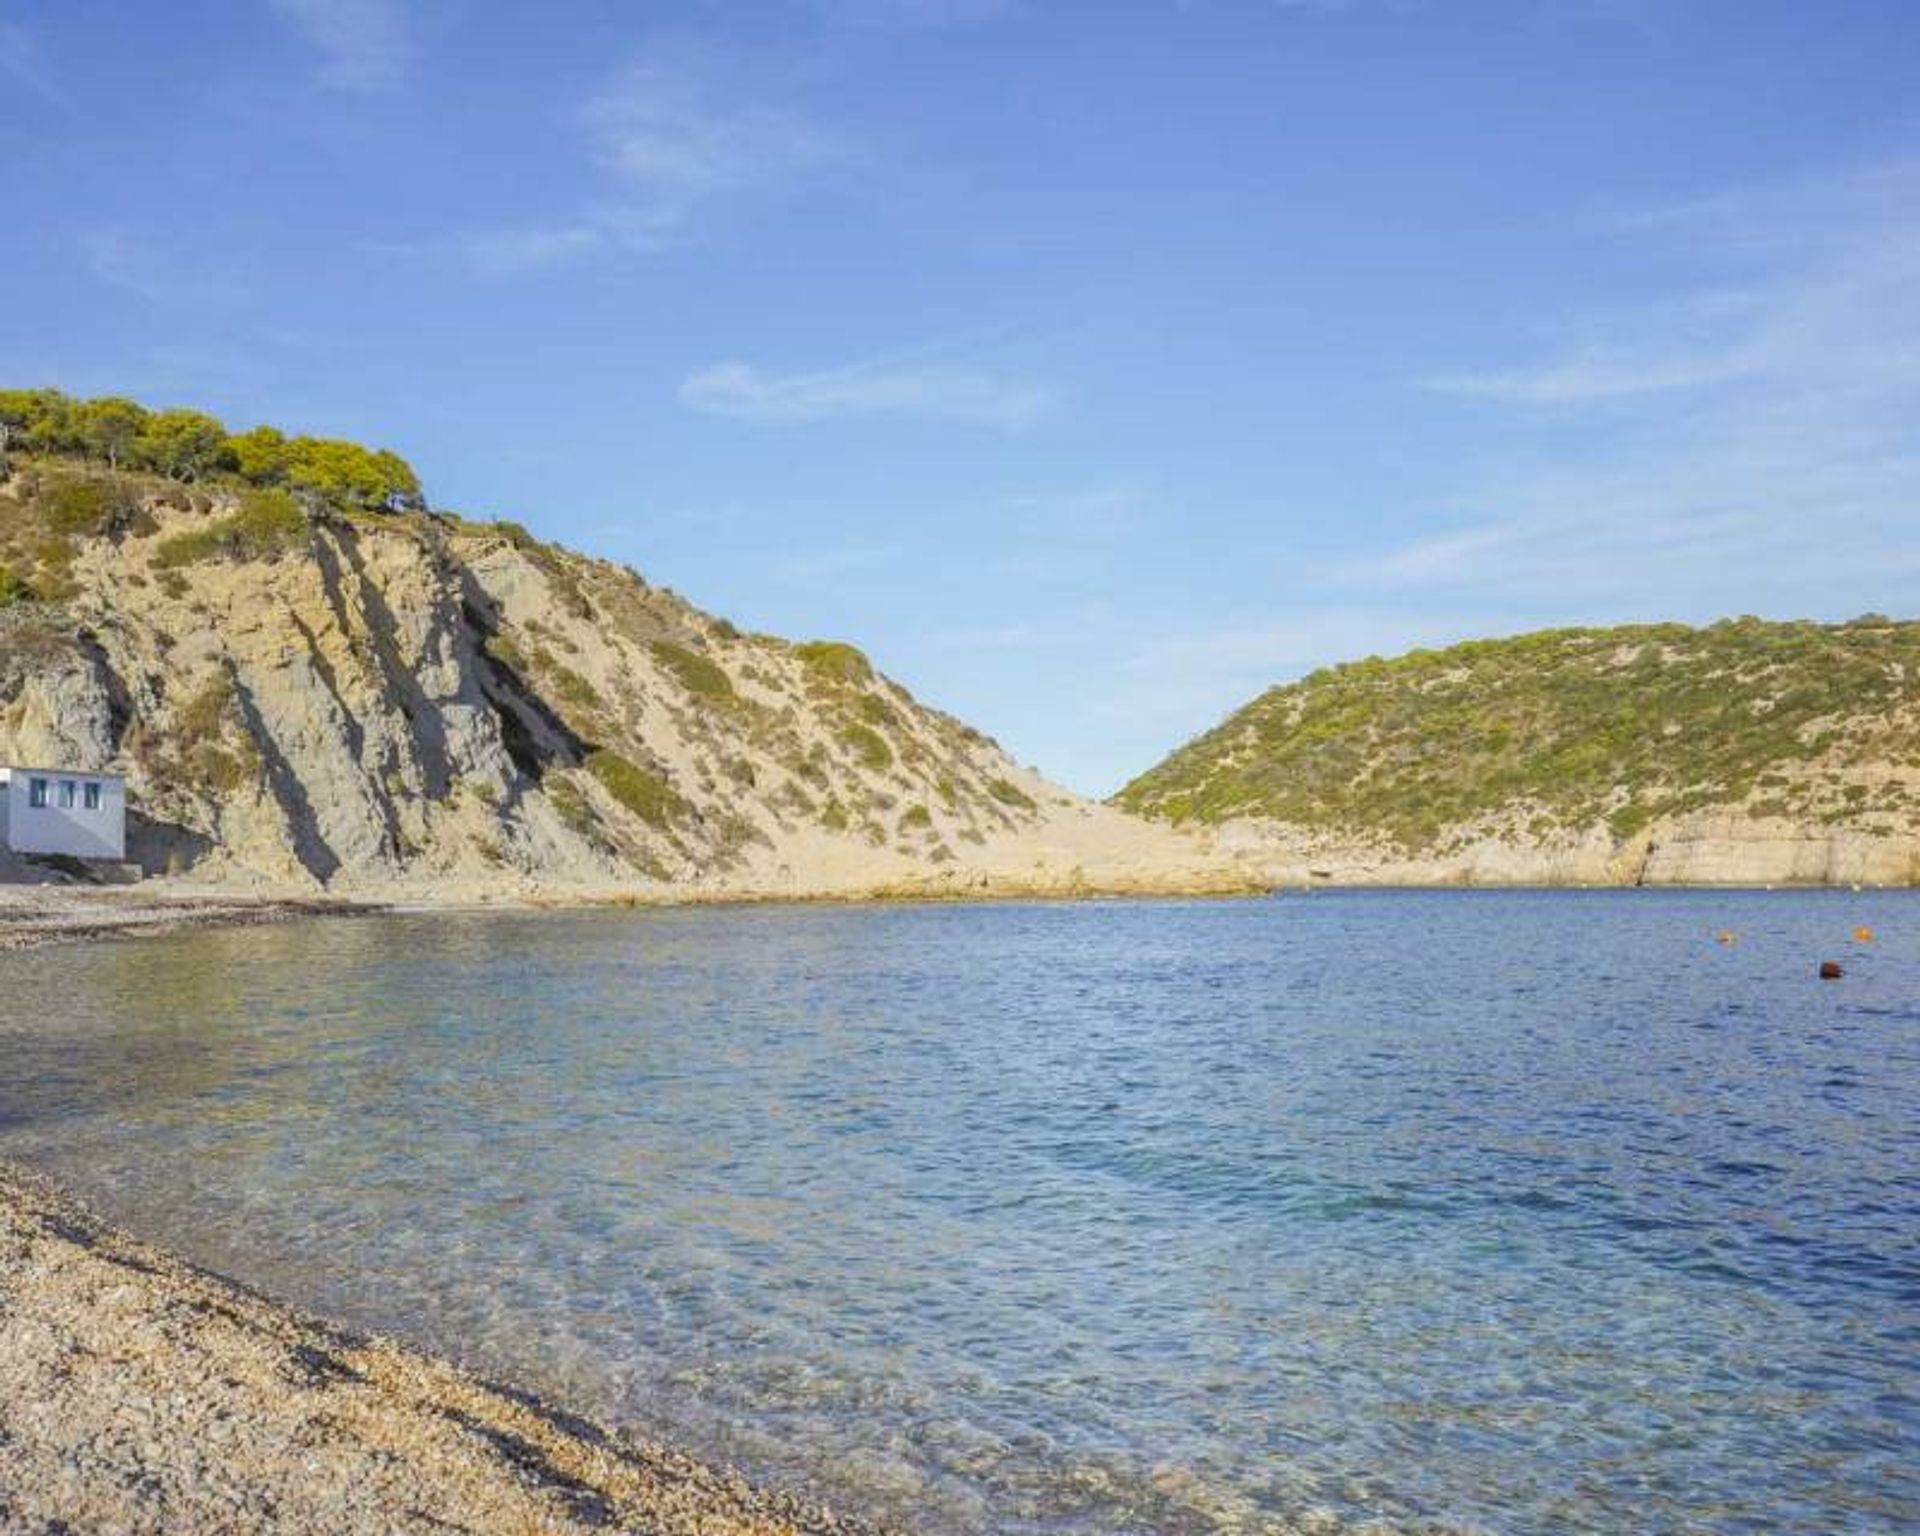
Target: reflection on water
[{"x": 1522, "y": 1213}]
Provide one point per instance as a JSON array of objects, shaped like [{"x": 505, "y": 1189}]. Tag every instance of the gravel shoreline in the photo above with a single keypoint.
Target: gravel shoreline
[
  {"x": 33, "y": 916},
  {"x": 140, "y": 1393}
]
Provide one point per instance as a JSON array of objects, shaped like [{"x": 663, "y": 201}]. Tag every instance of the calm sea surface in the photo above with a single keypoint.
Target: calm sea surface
[{"x": 1495, "y": 1212}]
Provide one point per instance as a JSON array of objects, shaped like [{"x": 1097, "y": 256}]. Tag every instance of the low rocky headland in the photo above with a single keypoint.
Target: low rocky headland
[{"x": 1744, "y": 753}]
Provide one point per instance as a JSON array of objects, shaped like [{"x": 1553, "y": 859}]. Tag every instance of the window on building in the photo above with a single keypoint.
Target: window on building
[
  {"x": 37, "y": 793},
  {"x": 67, "y": 791},
  {"x": 90, "y": 796}
]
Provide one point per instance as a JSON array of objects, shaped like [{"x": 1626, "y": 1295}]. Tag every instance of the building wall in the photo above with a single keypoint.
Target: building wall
[{"x": 73, "y": 830}]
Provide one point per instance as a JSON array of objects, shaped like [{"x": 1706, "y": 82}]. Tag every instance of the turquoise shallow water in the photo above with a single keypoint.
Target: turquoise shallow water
[{"x": 1504, "y": 1212}]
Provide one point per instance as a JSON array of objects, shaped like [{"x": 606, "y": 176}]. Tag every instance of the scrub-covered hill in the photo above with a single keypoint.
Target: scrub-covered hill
[
  {"x": 1745, "y": 751},
  {"x": 311, "y": 680}
]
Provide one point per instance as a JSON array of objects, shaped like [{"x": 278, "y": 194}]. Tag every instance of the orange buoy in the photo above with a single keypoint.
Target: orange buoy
[
  {"x": 1726, "y": 936},
  {"x": 1830, "y": 970},
  {"x": 1863, "y": 935}
]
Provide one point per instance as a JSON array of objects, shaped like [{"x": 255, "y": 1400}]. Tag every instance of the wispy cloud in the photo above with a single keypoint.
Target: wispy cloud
[
  {"x": 1837, "y": 304},
  {"x": 674, "y": 144},
  {"x": 362, "y": 43},
  {"x": 1601, "y": 374},
  {"x": 669, "y": 140},
  {"x": 935, "y": 392},
  {"x": 1748, "y": 446},
  {"x": 136, "y": 264},
  {"x": 504, "y": 252}
]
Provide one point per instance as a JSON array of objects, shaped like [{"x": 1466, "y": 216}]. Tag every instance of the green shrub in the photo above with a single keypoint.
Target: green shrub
[
  {"x": 217, "y": 768},
  {"x": 640, "y": 790},
  {"x": 184, "y": 549},
  {"x": 571, "y": 688},
  {"x": 870, "y": 748},
  {"x": 733, "y": 832},
  {"x": 13, "y": 589},
  {"x": 698, "y": 674},
  {"x": 1009, "y": 793},
  {"x": 504, "y": 649},
  {"x": 207, "y": 712},
  {"x": 201, "y": 721},
  {"x": 77, "y": 507},
  {"x": 915, "y": 816},
  {"x": 267, "y": 523},
  {"x": 835, "y": 661},
  {"x": 571, "y": 806}
]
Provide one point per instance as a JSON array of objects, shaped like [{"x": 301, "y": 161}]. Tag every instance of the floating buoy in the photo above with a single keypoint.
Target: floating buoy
[
  {"x": 1863, "y": 935},
  {"x": 1726, "y": 936},
  {"x": 1830, "y": 970}
]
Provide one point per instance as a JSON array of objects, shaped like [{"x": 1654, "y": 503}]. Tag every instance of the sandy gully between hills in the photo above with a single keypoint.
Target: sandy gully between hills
[{"x": 140, "y": 1394}]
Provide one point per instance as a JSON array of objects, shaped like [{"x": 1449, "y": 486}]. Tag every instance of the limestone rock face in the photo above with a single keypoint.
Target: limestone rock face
[
  {"x": 383, "y": 703},
  {"x": 63, "y": 712},
  {"x": 1702, "y": 848}
]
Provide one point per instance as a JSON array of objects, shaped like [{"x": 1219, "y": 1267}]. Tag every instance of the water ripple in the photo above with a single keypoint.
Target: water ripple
[{"x": 1509, "y": 1213}]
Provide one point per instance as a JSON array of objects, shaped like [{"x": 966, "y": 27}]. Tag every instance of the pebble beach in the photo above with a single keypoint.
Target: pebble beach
[{"x": 139, "y": 1393}]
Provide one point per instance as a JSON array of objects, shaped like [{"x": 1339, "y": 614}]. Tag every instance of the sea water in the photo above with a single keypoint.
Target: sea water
[{"x": 1494, "y": 1212}]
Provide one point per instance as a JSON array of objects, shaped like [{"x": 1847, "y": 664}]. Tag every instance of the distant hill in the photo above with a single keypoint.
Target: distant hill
[
  {"x": 312, "y": 680},
  {"x": 1746, "y": 750}
]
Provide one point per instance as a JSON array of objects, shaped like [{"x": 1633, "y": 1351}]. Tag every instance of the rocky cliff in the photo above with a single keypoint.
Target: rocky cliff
[
  {"x": 308, "y": 695},
  {"x": 1746, "y": 752}
]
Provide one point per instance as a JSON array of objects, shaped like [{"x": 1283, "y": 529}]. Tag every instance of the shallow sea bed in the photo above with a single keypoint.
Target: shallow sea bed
[{"x": 1520, "y": 1212}]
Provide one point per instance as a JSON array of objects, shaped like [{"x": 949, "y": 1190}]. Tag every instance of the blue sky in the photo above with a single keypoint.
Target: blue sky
[{"x": 1093, "y": 365}]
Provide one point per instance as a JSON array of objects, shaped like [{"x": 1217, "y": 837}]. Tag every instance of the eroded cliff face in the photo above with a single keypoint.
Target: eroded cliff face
[{"x": 389, "y": 702}]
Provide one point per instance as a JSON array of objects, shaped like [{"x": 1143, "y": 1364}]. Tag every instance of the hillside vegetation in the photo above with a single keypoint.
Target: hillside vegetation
[
  {"x": 1571, "y": 731},
  {"x": 312, "y": 679},
  {"x": 192, "y": 447}
]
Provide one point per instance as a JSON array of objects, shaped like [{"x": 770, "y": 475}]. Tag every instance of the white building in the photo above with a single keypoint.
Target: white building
[{"x": 56, "y": 810}]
